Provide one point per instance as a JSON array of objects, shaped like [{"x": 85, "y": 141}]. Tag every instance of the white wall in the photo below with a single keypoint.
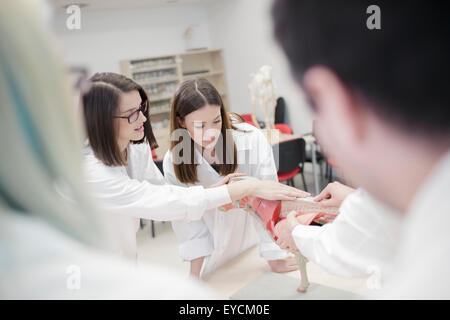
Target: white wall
[
  {"x": 108, "y": 36},
  {"x": 243, "y": 29}
]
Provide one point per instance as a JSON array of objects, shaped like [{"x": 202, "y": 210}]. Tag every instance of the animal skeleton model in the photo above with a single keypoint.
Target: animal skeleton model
[
  {"x": 272, "y": 215},
  {"x": 262, "y": 95}
]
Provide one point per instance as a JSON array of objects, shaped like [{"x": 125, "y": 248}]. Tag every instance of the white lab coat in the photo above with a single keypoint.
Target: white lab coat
[
  {"x": 39, "y": 262},
  {"x": 140, "y": 191},
  {"x": 219, "y": 235},
  {"x": 361, "y": 241},
  {"x": 421, "y": 269}
]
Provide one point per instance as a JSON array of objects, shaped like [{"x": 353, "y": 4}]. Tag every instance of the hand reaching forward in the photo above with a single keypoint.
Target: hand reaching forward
[
  {"x": 333, "y": 194},
  {"x": 283, "y": 230}
]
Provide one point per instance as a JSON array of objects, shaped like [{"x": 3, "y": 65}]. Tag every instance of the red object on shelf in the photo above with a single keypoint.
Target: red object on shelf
[
  {"x": 284, "y": 128},
  {"x": 248, "y": 118}
]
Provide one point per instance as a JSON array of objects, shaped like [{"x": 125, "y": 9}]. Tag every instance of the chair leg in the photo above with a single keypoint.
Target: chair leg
[
  {"x": 321, "y": 169},
  {"x": 304, "y": 181},
  {"x": 153, "y": 229},
  {"x": 327, "y": 175}
]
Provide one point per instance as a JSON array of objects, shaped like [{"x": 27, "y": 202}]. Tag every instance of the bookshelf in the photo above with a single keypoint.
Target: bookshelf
[{"x": 160, "y": 75}]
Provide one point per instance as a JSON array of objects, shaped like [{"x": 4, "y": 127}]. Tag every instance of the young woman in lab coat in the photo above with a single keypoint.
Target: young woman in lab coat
[
  {"x": 200, "y": 118},
  {"x": 120, "y": 170}
]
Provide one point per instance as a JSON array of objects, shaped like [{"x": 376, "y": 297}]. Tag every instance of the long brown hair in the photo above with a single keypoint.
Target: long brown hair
[
  {"x": 100, "y": 105},
  {"x": 190, "y": 96}
]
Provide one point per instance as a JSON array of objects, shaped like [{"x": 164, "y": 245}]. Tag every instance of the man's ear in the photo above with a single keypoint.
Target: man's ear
[
  {"x": 332, "y": 99},
  {"x": 181, "y": 122}
]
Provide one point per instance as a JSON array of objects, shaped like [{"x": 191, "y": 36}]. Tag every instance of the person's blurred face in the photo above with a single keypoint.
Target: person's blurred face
[
  {"x": 129, "y": 104},
  {"x": 345, "y": 130},
  {"x": 204, "y": 125}
]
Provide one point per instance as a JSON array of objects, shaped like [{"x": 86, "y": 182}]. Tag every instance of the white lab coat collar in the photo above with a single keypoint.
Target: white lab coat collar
[{"x": 206, "y": 173}]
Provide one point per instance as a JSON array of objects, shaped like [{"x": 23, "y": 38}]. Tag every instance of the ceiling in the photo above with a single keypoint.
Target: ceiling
[{"x": 98, "y": 5}]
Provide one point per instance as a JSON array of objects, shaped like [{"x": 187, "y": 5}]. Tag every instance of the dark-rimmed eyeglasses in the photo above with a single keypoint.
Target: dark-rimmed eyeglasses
[{"x": 135, "y": 115}]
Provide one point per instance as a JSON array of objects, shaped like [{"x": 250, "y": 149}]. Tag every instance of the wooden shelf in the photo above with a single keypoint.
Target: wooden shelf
[
  {"x": 197, "y": 52},
  {"x": 162, "y": 80},
  {"x": 205, "y": 74},
  {"x": 185, "y": 62},
  {"x": 160, "y": 98},
  {"x": 156, "y": 68},
  {"x": 166, "y": 110}
]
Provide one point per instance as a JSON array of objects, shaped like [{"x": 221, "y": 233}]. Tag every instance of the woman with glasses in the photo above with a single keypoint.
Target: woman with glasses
[{"x": 120, "y": 170}]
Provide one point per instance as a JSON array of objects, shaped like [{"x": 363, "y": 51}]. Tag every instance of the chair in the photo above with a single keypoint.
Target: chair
[
  {"x": 280, "y": 110},
  {"x": 159, "y": 164},
  {"x": 322, "y": 159},
  {"x": 290, "y": 160},
  {"x": 284, "y": 128},
  {"x": 330, "y": 164}
]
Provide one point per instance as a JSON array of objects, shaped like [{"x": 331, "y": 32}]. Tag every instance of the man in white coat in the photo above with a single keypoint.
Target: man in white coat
[
  {"x": 378, "y": 95},
  {"x": 360, "y": 242}
]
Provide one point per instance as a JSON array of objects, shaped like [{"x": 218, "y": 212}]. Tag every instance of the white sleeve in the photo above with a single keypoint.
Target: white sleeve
[
  {"x": 265, "y": 169},
  {"x": 141, "y": 199},
  {"x": 268, "y": 249},
  {"x": 194, "y": 237},
  {"x": 355, "y": 241}
]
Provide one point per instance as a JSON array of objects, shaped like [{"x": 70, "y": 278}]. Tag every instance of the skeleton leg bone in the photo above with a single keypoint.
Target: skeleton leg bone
[
  {"x": 268, "y": 213},
  {"x": 304, "y": 282}
]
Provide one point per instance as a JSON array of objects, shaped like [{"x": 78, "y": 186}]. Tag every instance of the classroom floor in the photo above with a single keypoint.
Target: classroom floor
[{"x": 163, "y": 249}]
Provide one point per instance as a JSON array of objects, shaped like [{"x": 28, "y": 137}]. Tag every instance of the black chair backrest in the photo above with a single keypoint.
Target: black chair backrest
[
  {"x": 280, "y": 109},
  {"x": 159, "y": 164},
  {"x": 291, "y": 155}
]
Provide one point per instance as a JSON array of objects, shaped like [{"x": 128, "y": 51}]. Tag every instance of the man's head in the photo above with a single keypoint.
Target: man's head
[{"x": 377, "y": 94}]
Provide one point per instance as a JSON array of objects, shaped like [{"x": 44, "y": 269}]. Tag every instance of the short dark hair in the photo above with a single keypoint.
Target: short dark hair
[
  {"x": 100, "y": 104},
  {"x": 400, "y": 69}
]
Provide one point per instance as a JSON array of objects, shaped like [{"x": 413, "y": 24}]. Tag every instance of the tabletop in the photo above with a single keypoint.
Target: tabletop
[{"x": 248, "y": 266}]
